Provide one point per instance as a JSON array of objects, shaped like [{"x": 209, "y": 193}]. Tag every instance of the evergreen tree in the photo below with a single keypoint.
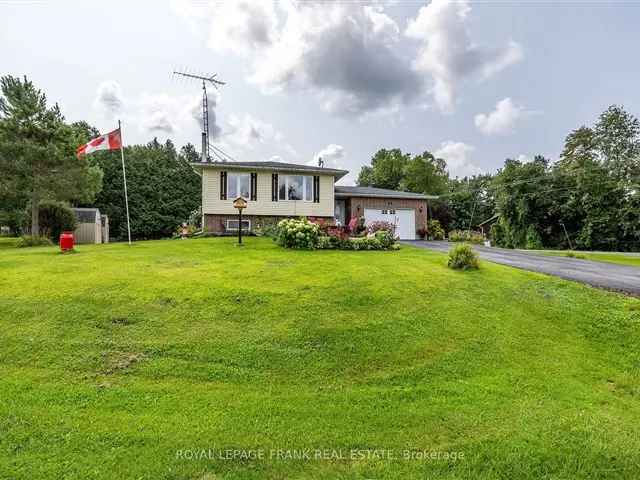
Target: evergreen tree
[{"x": 37, "y": 152}]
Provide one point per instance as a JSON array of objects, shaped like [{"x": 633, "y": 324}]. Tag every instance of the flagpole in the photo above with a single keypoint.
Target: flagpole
[{"x": 124, "y": 176}]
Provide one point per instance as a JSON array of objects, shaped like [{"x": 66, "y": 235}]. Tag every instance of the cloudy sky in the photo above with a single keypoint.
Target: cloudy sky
[{"x": 473, "y": 82}]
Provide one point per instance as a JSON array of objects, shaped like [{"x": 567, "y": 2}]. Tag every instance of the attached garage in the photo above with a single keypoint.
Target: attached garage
[
  {"x": 406, "y": 210},
  {"x": 404, "y": 220}
]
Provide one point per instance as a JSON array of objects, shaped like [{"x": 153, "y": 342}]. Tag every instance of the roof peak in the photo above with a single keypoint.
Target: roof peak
[
  {"x": 270, "y": 164},
  {"x": 364, "y": 191}
]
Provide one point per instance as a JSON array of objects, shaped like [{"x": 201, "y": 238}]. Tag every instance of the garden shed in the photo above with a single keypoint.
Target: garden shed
[{"x": 92, "y": 226}]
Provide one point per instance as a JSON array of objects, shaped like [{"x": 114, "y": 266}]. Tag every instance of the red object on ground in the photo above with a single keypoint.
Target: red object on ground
[{"x": 66, "y": 241}]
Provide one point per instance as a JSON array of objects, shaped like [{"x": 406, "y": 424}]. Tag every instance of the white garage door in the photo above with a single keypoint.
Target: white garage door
[{"x": 403, "y": 219}]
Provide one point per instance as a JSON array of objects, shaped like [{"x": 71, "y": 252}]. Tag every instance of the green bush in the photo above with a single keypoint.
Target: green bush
[
  {"x": 326, "y": 243},
  {"x": 381, "y": 240},
  {"x": 465, "y": 236},
  {"x": 33, "y": 241},
  {"x": 385, "y": 239},
  {"x": 298, "y": 233},
  {"x": 533, "y": 240},
  {"x": 55, "y": 218},
  {"x": 498, "y": 235},
  {"x": 435, "y": 230},
  {"x": 463, "y": 257}
]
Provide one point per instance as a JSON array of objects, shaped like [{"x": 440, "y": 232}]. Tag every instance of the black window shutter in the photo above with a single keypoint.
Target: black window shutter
[
  {"x": 274, "y": 187},
  {"x": 316, "y": 189},
  {"x": 223, "y": 185},
  {"x": 254, "y": 186}
]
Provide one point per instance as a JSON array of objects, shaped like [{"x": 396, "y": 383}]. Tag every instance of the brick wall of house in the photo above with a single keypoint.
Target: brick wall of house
[
  {"x": 214, "y": 223},
  {"x": 354, "y": 207}
]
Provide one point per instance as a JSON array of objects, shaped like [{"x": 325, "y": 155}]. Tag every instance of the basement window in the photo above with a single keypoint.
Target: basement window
[{"x": 232, "y": 225}]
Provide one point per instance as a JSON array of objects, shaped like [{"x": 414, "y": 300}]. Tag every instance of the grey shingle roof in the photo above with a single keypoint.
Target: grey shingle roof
[
  {"x": 86, "y": 215},
  {"x": 349, "y": 191},
  {"x": 282, "y": 166}
]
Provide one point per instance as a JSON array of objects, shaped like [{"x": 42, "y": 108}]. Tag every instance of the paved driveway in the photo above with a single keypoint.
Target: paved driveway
[{"x": 599, "y": 274}]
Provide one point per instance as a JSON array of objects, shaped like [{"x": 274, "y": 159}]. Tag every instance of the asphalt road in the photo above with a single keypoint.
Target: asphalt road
[{"x": 598, "y": 274}]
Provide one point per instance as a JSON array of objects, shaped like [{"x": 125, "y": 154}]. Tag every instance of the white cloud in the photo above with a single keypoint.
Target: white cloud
[
  {"x": 501, "y": 120},
  {"x": 109, "y": 98},
  {"x": 524, "y": 158},
  {"x": 180, "y": 117},
  {"x": 332, "y": 156},
  {"x": 243, "y": 26},
  {"x": 249, "y": 133},
  {"x": 169, "y": 115},
  {"x": 456, "y": 154},
  {"x": 449, "y": 55},
  {"x": 212, "y": 103},
  {"x": 349, "y": 54},
  {"x": 344, "y": 53}
]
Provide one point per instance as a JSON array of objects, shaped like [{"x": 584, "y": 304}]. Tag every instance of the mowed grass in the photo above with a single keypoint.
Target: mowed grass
[
  {"x": 610, "y": 257},
  {"x": 160, "y": 360},
  {"x": 621, "y": 258}
]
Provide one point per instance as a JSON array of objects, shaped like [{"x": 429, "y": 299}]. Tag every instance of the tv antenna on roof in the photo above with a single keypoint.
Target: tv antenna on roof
[{"x": 205, "y": 107}]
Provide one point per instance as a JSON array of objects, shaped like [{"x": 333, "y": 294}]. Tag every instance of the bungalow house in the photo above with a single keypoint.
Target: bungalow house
[{"x": 276, "y": 190}]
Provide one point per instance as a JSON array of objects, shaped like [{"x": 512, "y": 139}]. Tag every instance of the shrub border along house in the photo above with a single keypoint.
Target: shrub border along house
[
  {"x": 304, "y": 234},
  {"x": 465, "y": 236}
]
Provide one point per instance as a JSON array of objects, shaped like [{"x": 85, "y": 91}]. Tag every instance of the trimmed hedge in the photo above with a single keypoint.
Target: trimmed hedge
[
  {"x": 33, "y": 241},
  {"x": 465, "y": 236}
]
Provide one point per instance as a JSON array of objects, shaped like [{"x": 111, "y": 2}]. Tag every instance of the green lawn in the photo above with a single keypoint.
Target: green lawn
[
  {"x": 610, "y": 257},
  {"x": 157, "y": 361}
]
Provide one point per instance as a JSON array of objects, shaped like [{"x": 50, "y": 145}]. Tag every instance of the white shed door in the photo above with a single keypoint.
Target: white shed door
[{"x": 403, "y": 219}]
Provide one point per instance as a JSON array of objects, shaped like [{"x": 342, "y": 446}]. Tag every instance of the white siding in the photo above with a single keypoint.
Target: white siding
[
  {"x": 211, "y": 203},
  {"x": 88, "y": 233}
]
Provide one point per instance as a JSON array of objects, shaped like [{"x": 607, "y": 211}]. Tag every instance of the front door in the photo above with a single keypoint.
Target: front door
[{"x": 339, "y": 211}]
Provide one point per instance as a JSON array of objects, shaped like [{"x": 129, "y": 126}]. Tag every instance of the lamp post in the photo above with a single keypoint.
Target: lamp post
[{"x": 240, "y": 203}]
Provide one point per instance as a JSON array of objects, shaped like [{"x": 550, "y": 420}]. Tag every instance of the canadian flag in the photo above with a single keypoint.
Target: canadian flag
[{"x": 108, "y": 141}]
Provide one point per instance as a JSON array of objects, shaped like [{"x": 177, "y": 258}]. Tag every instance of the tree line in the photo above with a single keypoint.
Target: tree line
[
  {"x": 588, "y": 199},
  {"x": 39, "y": 170}
]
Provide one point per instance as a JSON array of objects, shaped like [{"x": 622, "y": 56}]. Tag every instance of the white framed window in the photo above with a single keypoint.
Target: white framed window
[
  {"x": 238, "y": 185},
  {"x": 295, "y": 187},
  {"x": 232, "y": 225}
]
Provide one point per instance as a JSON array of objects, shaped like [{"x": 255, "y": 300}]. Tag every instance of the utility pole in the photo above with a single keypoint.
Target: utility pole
[{"x": 566, "y": 235}]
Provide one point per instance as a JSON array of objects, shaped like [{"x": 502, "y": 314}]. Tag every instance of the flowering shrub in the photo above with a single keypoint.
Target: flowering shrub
[
  {"x": 301, "y": 233},
  {"x": 382, "y": 226},
  {"x": 463, "y": 257},
  {"x": 386, "y": 239},
  {"x": 465, "y": 236},
  {"x": 298, "y": 233},
  {"x": 356, "y": 225},
  {"x": 338, "y": 232}
]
